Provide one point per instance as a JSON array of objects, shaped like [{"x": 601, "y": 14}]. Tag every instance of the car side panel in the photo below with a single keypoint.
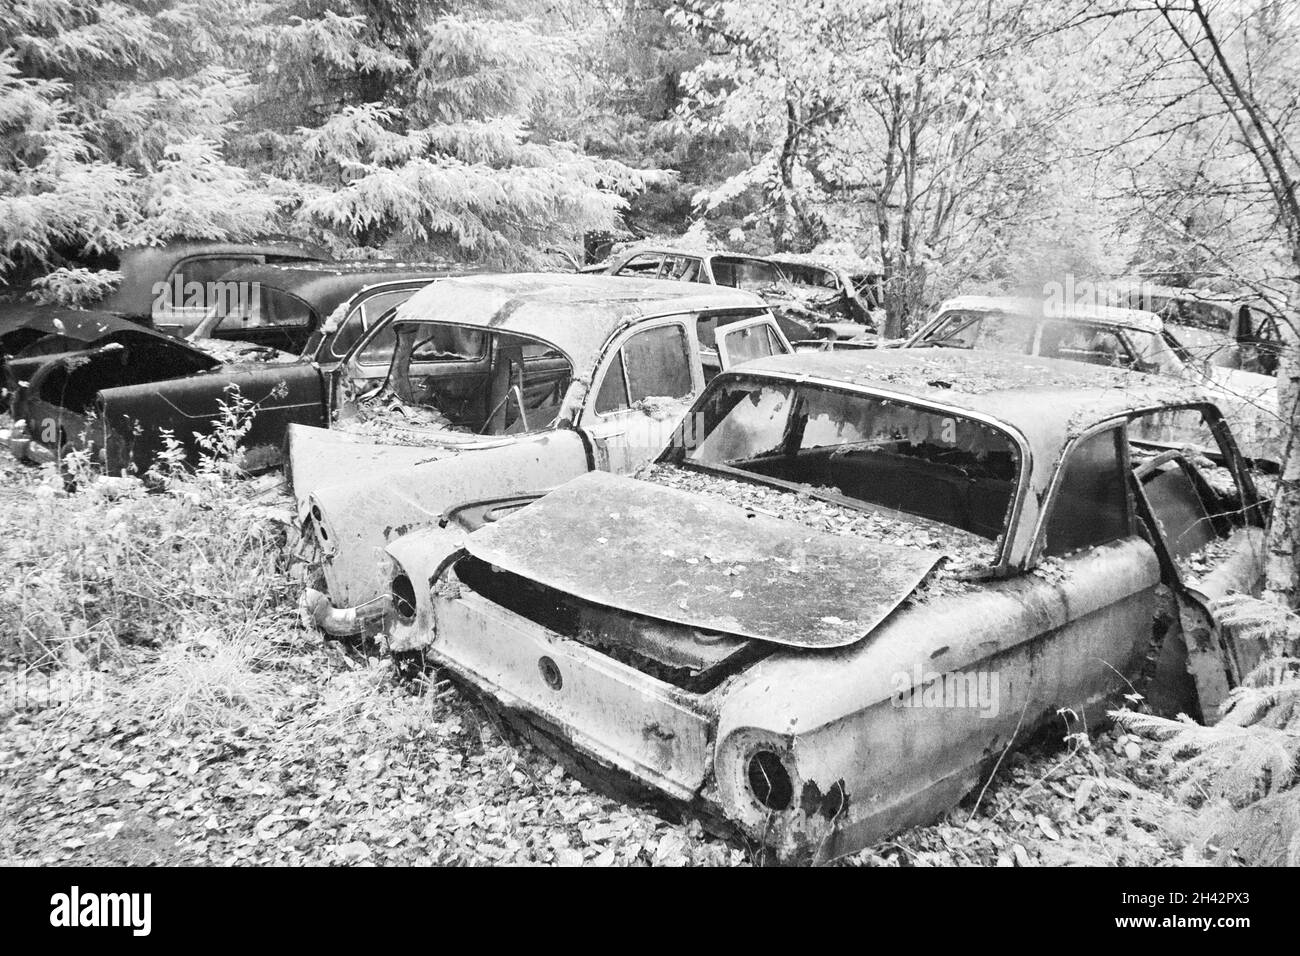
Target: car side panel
[
  {"x": 134, "y": 416},
  {"x": 1023, "y": 648}
]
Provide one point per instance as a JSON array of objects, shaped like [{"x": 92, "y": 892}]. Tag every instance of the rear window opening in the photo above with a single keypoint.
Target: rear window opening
[
  {"x": 466, "y": 378},
  {"x": 862, "y": 449}
]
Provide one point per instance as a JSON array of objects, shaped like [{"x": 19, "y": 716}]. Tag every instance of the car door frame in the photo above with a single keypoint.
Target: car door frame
[
  {"x": 764, "y": 318},
  {"x": 599, "y": 432},
  {"x": 323, "y": 355},
  {"x": 600, "y": 428}
]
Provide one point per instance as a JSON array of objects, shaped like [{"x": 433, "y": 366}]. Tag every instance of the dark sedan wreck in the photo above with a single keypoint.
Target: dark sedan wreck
[
  {"x": 117, "y": 393},
  {"x": 849, "y": 584},
  {"x": 168, "y": 287}
]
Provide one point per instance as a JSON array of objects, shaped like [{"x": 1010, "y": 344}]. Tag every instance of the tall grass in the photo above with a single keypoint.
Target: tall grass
[{"x": 188, "y": 561}]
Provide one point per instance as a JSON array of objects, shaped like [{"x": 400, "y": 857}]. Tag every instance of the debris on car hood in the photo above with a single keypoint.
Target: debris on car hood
[
  {"x": 967, "y": 555},
  {"x": 693, "y": 560}
]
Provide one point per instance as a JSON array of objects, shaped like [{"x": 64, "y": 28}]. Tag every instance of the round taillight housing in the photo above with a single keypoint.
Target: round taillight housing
[
  {"x": 769, "y": 781},
  {"x": 403, "y": 594}
]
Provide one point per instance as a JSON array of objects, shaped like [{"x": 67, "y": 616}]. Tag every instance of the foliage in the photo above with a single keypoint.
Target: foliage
[
  {"x": 921, "y": 133},
  {"x": 75, "y": 287},
  {"x": 1242, "y": 770},
  {"x": 412, "y": 125}
]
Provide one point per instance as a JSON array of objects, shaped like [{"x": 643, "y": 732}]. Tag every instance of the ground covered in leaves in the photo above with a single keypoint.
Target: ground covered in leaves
[{"x": 202, "y": 723}]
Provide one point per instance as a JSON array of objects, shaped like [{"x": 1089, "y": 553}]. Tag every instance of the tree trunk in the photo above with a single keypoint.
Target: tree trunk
[{"x": 1281, "y": 575}]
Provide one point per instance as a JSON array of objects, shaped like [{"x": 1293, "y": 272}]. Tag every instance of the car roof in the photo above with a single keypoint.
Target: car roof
[
  {"x": 142, "y": 266},
  {"x": 575, "y": 312},
  {"x": 324, "y": 285},
  {"x": 853, "y": 265},
  {"x": 698, "y": 252},
  {"x": 1046, "y": 400},
  {"x": 1047, "y": 307}
]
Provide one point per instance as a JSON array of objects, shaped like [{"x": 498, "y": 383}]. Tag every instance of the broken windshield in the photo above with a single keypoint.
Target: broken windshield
[{"x": 867, "y": 450}]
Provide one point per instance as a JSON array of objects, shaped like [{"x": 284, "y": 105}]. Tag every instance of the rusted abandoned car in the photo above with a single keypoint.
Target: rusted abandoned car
[
  {"x": 847, "y": 292},
  {"x": 169, "y": 287},
  {"x": 1100, "y": 335},
  {"x": 530, "y": 380},
  {"x": 803, "y": 307},
  {"x": 1241, "y": 329},
  {"x": 116, "y": 395},
  {"x": 851, "y": 581}
]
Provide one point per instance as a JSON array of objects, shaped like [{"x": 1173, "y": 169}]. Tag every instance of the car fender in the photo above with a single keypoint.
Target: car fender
[
  {"x": 354, "y": 520},
  {"x": 870, "y": 752},
  {"x": 422, "y": 555}
]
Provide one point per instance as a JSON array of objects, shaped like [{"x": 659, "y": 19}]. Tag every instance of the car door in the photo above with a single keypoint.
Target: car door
[
  {"x": 642, "y": 387},
  {"x": 649, "y": 376},
  {"x": 749, "y": 339},
  {"x": 1085, "y": 614},
  {"x": 1198, "y": 503}
]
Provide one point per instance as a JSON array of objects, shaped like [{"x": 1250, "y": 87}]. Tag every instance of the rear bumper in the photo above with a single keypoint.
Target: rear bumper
[
  {"x": 605, "y": 710},
  {"x": 342, "y": 621}
]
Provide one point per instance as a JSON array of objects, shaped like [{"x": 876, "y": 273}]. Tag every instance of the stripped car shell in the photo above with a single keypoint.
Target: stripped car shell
[
  {"x": 753, "y": 674},
  {"x": 814, "y": 298},
  {"x": 636, "y": 354},
  {"x": 1120, "y": 337}
]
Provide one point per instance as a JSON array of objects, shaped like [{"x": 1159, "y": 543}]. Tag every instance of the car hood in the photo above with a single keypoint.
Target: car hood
[{"x": 683, "y": 558}]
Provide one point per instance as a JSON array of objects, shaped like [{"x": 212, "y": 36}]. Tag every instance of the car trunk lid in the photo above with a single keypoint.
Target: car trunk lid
[{"x": 686, "y": 559}]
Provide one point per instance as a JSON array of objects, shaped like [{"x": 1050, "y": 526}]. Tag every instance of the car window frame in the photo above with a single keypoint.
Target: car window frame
[
  {"x": 1002, "y": 566},
  {"x": 356, "y": 306},
  {"x": 1118, "y": 425},
  {"x": 613, "y": 349},
  {"x": 659, "y": 266},
  {"x": 1218, "y": 428},
  {"x": 245, "y": 260}
]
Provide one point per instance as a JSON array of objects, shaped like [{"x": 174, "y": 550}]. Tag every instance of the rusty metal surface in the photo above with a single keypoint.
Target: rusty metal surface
[
  {"x": 322, "y": 456},
  {"x": 1048, "y": 308},
  {"x": 601, "y": 706},
  {"x": 850, "y": 726},
  {"x": 574, "y": 313},
  {"x": 361, "y": 511},
  {"x": 651, "y": 550},
  {"x": 1022, "y": 390}
]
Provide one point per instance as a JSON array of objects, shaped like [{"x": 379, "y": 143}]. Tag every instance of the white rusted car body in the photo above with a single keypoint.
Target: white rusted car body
[
  {"x": 1118, "y": 337},
  {"x": 793, "y": 683},
  {"x": 626, "y": 356}
]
